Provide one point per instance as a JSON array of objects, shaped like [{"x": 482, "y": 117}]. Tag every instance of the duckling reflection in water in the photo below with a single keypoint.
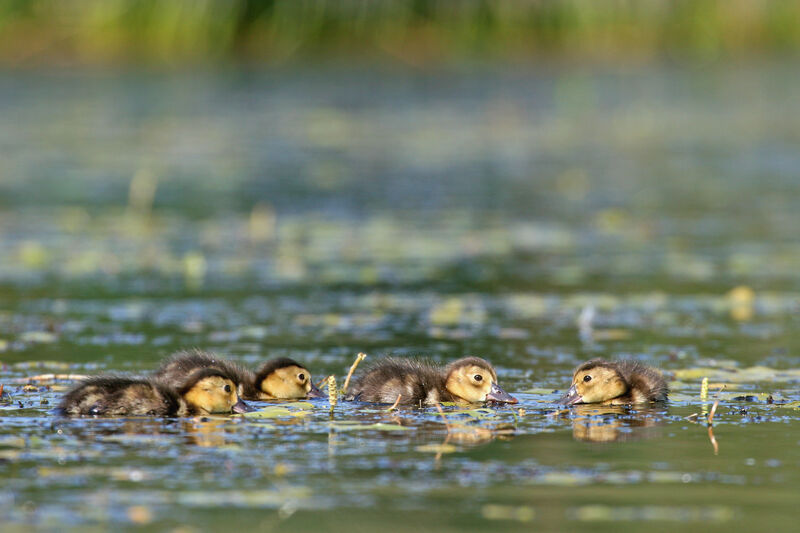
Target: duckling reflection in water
[
  {"x": 467, "y": 380},
  {"x": 615, "y": 383},
  {"x": 613, "y": 423},
  {"x": 280, "y": 378},
  {"x": 205, "y": 391},
  {"x": 207, "y": 432}
]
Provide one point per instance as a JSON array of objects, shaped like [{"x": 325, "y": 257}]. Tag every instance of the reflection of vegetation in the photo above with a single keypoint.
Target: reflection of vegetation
[{"x": 107, "y": 30}]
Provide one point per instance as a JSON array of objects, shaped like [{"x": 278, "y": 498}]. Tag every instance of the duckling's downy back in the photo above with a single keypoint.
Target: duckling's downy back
[
  {"x": 122, "y": 396},
  {"x": 646, "y": 383},
  {"x": 416, "y": 382}
]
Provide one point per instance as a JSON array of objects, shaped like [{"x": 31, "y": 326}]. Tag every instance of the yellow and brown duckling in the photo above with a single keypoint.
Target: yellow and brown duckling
[
  {"x": 467, "y": 380},
  {"x": 615, "y": 383},
  {"x": 205, "y": 391},
  {"x": 280, "y": 378}
]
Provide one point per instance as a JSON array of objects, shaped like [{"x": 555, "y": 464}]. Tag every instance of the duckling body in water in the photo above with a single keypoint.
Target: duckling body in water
[
  {"x": 280, "y": 378},
  {"x": 467, "y": 380},
  {"x": 615, "y": 383},
  {"x": 205, "y": 391}
]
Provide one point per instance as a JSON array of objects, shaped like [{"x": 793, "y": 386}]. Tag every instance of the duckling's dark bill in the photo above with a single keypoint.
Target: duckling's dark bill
[
  {"x": 241, "y": 407},
  {"x": 571, "y": 397},
  {"x": 315, "y": 392},
  {"x": 496, "y": 394}
]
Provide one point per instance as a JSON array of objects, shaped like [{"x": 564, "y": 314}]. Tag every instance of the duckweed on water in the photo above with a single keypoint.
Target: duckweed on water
[{"x": 523, "y": 457}]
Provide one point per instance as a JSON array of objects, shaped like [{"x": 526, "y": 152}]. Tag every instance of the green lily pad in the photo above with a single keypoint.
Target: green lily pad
[
  {"x": 275, "y": 412},
  {"x": 358, "y": 426},
  {"x": 683, "y": 397}
]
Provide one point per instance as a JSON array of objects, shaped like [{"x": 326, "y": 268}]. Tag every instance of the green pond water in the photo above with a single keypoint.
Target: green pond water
[{"x": 534, "y": 217}]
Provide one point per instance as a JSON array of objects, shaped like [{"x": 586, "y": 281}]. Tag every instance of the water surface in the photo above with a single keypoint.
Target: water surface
[{"x": 536, "y": 219}]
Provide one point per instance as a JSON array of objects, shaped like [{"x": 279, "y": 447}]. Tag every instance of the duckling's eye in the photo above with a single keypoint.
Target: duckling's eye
[
  {"x": 587, "y": 378},
  {"x": 478, "y": 377},
  {"x": 227, "y": 388},
  {"x": 301, "y": 376}
]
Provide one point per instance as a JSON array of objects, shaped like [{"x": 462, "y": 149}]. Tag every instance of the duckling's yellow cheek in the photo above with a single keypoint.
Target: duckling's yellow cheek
[
  {"x": 222, "y": 403},
  {"x": 478, "y": 393},
  {"x": 585, "y": 391}
]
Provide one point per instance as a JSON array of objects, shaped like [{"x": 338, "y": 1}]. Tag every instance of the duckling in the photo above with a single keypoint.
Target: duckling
[
  {"x": 280, "y": 378},
  {"x": 615, "y": 383},
  {"x": 467, "y": 380},
  {"x": 205, "y": 391}
]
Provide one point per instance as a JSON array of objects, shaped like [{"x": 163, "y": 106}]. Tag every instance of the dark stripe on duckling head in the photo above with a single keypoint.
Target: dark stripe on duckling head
[
  {"x": 588, "y": 365},
  {"x": 272, "y": 365},
  {"x": 201, "y": 374},
  {"x": 176, "y": 368},
  {"x": 623, "y": 369},
  {"x": 471, "y": 360}
]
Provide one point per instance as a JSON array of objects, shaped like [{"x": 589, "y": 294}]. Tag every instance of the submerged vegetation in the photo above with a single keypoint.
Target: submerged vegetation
[{"x": 415, "y": 32}]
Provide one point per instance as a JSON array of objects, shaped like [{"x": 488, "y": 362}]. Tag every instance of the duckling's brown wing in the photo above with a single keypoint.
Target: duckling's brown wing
[
  {"x": 120, "y": 396},
  {"x": 416, "y": 382},
  {"x": 645, "y": 381}
]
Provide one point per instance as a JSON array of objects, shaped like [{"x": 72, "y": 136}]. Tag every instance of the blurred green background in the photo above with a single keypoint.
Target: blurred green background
[{"x": 417, "y": 32}]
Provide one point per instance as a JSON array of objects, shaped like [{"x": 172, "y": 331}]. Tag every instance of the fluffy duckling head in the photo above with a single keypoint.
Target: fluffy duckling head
[
  {"x": 210, "y": 391},
  {"x": 286, "y": 379},
  {"x": 474, "y": 380},
  {"x": 595, "y": 381}
]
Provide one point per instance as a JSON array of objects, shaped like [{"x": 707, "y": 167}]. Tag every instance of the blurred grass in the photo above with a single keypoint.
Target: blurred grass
[{"x": 415, "y": 32}]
